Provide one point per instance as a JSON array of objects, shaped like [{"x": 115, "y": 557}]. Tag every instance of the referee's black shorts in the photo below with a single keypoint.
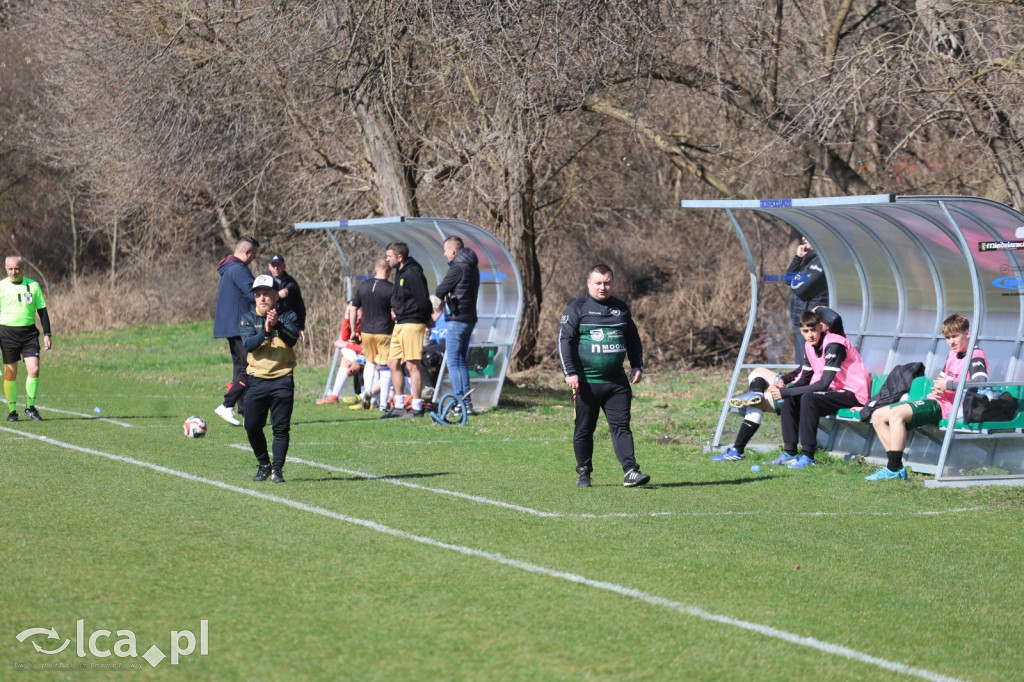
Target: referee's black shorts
[{"x": 18, "y": 343}]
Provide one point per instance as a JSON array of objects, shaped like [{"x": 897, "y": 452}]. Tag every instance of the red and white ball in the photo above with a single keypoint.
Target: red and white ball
[{"x": 195, "y": 427}]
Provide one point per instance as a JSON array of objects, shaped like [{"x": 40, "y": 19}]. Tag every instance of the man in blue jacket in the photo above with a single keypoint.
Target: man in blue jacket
[
  {"x": 458, "y": 290},
  {"x": 234, "y": 300}
]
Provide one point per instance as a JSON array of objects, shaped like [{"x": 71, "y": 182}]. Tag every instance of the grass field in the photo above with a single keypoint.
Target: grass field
[{"x": 398, "y": 550}]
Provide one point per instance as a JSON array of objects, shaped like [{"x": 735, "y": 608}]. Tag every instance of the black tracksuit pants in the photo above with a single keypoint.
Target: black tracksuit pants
[
  {"x": 800, "y": 413},
  {"x": 239, "y": 363},
  {"x": 615, "y": 400},
  {"x": 276, "y": 397}
]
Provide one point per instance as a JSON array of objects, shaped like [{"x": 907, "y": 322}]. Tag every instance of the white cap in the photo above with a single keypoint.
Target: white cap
[{"x": 263, "y": 282}]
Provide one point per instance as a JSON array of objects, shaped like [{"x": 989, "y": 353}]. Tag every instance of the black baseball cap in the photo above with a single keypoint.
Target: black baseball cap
[{"x": 276, "y": 258}]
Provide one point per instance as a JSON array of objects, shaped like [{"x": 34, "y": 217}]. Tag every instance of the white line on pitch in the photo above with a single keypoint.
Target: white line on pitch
[
  {"x": 83, "y": 414},
  {"x": 640, "y": 595},
  {"x": 565, "y": 515}
]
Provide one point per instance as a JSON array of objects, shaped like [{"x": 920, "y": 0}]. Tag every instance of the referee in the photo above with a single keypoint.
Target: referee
[
  {"x": 20, "y": 300},
  {"x": 596, "y": 334}
]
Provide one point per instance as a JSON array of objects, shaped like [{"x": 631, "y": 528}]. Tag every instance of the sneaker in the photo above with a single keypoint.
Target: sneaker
[
  {"x": 884, "y": 474},
  {"x": 227, "y": 414},
  {"x": 584, "y": 480},
  {"x": 13, "y": 416},
  {"x": 328, "y": 400},
  {"x": 731, "y": 454},
  {"x": 746, "y": 399},
  {"x": 469, "y": 409},
  {"x": 276, "y": 477},
  {"x": 357, "y": 406},
  {"x": 33, "y": 414},
  {"x": 409, "y": 414},
  {"x": 634, "y": 478},
  {"x": 351, "y": 399},
  {"x": 785, "y": 459},
  {"x": 367, "y": 401},
  {"x": 801, "y": 463},
  {"x": 262, "y": 474},
  {"x": 393, "y": 413}
]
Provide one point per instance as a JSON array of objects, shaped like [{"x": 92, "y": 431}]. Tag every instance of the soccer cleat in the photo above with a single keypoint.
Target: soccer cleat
[
  {"x": 262, "y": 474},
  {"x": 357, "y": 406},
  {"x": 351, "y": 399},
  {"x": 801, "y": 463},
  {"x": 276, "y": 477},
  {"x": 884, "y": 474},
  {"x": 784, "y": 459},
  {"x": 13, "y": 416},
  {"x": 584, "y": 480},
  {"x": 634, "y": 478},
  {"x": 328, "y": 400},
  {"x": 731, "y": 454},
  {"x": 367, "y": 401},
  {"x": 746, "y": 399},
  {"x": 32, "y": 413},
  {"x": 227, "y": 414},
  {"x": 393, "y": 413},
  {"x": 409, "y": 414}
]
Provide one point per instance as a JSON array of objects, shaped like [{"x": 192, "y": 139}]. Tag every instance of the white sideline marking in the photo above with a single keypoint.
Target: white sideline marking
[
  {"x": 80, "y": 414},
  {"x": 653, "y": 599},
  {"x": 564, "y": 515}
]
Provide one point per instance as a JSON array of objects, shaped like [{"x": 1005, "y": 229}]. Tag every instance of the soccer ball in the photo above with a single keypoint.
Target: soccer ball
[{"x": 195, "y": 427}]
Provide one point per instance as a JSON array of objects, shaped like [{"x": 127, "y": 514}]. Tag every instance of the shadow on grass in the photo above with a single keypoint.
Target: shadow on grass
[
  {"x": 735, "y": 481},
  {"x": 373, "y": 478}
]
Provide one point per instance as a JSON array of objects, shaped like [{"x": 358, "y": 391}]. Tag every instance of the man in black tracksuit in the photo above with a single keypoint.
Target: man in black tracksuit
[
  {"x": 596, "y": 333},
  {"x": 411, "y": 305}
]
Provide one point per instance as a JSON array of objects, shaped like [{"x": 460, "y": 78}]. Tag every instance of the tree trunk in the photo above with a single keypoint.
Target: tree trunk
[{"x": 394, "y": 188}]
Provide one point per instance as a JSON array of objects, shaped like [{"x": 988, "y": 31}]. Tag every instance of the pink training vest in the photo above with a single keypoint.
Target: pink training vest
[
  {"x": 852, "y": 375},
  {"x": 954, "y": 367}
]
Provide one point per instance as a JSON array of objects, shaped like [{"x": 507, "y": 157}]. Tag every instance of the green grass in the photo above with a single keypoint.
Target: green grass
[{"x": 348, "y": 585}]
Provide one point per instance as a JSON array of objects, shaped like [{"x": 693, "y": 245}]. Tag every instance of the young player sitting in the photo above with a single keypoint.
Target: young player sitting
[
  {"x": 754, "y": 403},
  {"x": 893, "y": 421}
]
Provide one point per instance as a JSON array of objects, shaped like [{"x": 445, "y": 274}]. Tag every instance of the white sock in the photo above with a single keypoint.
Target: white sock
[
  {"x": 400, "y": 402},
  {"x": 368, "y": 373},
  {"x": 385, "y": 386},
  {"x": 339, "y": 381},
  {"x": 417, "y": 404}
]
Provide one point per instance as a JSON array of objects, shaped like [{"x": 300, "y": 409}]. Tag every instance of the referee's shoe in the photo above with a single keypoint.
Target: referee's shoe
[
  {"x": 13, "y": 416},
  {"x": 32, "y": 413}
]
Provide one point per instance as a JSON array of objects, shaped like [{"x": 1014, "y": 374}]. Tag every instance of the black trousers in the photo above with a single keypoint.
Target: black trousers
[
  {"x": 239, "y": 363},
  {"x": 799, "y": 415},
  {"x": 615, "y": 400},
  {"x": 276, "y": 397}
]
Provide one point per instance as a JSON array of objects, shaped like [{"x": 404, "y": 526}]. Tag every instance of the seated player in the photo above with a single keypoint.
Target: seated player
[
  {"x": 892, "y": 422},
  {"x": 754, "y": 403},
  {"x": 833, "y": 377},
  {"x": 351, "y": 365}
]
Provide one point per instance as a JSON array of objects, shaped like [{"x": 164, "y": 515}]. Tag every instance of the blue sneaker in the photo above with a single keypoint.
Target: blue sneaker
[
  {"x": 801, "y": 463},
  {"x": 731, "y": 454},
  {"x": 746, "y": 399},
  {"x": 782, "y": 460},
  {"x": 884, "y": 474}
]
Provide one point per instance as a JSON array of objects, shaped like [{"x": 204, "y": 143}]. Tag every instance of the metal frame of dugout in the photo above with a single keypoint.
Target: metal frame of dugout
[
  {"x": 499, "y": 304},
  {"x": 896, "y": 266}
]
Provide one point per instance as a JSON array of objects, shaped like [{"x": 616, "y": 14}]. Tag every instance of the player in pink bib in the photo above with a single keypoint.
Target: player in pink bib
[{"x": 894, "y": 421}]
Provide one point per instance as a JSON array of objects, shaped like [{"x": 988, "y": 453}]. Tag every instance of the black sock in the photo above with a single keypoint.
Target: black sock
[
  {"x": 759, "y": 384},
  {"x": 895, "y": 460},
  {"x": 746, "y": 432}
]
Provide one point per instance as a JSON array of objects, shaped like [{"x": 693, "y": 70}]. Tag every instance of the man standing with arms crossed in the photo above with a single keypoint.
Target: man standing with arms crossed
[
  {"x": 373, "y": 297},
  {"x": 20, "y": 300},
  {"x": 234, "y": 299},
  {"x": 458, "y": 290},
  {"x": 596, "y": 333},
  {"x": 288, "y": 291},
  {"x": 411, "y": 305}
]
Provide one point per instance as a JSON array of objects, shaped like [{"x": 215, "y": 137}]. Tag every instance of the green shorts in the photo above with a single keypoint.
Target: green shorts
[{"x": 925, "y": 412}]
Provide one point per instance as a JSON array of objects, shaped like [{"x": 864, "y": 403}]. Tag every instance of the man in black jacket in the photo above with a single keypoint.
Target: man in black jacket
[
  {"x": 411, "y": 305},
  {"x": 810, "y": 290},
  {"x": 458, "y": 290},
  {"x": 288, "y": 291}
]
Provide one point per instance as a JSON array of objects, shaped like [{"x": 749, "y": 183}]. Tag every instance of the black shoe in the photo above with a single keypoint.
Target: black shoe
[
  {"x": 262, "y": 474},
  {"x": 412, "y": 413},
  {"x": 276, "y": 477},
  {"x": 584, "y": 480},
  {"x": 33, "y": 414},
  {"x": 394, "y": 413},
  {"x": 634, "y": 478},
  {"x": 13, "y": 416}
]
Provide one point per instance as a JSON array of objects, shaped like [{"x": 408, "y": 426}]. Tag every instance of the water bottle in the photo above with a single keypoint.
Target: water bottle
[{"x": 777, "y": 377}]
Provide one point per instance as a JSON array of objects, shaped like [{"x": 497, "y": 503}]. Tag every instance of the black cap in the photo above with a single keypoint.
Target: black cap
[{"x": 276, "y": 258}]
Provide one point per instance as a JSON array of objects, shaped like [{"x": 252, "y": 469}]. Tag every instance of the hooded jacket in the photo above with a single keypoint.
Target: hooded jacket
[
  {"x": 460, "y": 287},
  {"x": 234, "y": 297}
]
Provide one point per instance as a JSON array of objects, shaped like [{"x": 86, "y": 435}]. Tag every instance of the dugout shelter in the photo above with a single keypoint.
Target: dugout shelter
[
  {"x": 896, "y": 266},
  {"x": 499, "y": 304}
]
